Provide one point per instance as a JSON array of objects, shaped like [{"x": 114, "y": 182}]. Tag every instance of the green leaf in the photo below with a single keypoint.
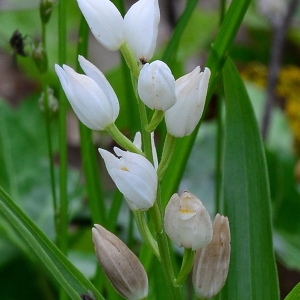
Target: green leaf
[
  {"x": 246, "y": 198},
  {"x": 63, "y": 272},
  {"x": 286, "y": 207},
  {"x": 294, "y": 294},
  {"x": 24, "y": 171}
]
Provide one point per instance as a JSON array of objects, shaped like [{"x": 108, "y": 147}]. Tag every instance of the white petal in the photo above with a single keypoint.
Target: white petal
[
  {"x": 171, "y": 219},
  {"x": 141, "y": 28},
  {"x": 146, "y": 86},
  {"x": 154, "y": 152},
  {"x": 191, "y": 92},
  {"x": 88, "y": 100},
  {"x": 105, "y": 22},
  {"x": 134, "y": 188},
  {"x": 110, "y": 160},
  {"x": 202, "y": 237},
  {"x": 137, "y": 141},
  {"x": 134, "y": 176},
  {"x": 156, "y": 86},
  {"x": 94, "y": 73}
]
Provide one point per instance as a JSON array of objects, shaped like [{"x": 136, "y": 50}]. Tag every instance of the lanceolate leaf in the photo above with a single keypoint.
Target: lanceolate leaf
[
  {"x": 45, "y": 251},
  {"x": 246, "y": 198}
]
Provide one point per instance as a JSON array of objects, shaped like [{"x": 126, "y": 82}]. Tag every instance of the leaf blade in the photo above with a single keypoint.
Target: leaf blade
[
  {"x": 294, "y": 294},
  {"x": 49, "y": 255},
  {"x": 246, "y": 197}
]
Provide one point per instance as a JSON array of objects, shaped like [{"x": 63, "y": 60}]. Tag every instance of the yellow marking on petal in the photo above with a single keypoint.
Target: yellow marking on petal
[
  {"x": 186, "y": 211},
  {"x": 124, "y": 169}
]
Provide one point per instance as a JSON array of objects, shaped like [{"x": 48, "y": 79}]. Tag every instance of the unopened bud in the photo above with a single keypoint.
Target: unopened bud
[
  {"x": 121, "y": 266},
  {"x": 211, "y": 263},
  {"x": 50, "y": 103},
  {"x": 45, "y": 10},
  {"x": 39, "y": 56}
]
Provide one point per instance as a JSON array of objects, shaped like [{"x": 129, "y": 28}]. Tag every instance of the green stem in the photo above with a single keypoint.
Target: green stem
[
  {"x": 49, "y": 135},
  {"x": 156, "y": 119},
  {"x": 222, "y": 10},
  {"x": 166, "y": 155},
  {"x": 131, "y": 61},
  {"x": 62, "y": 211},
  {"x": 187, "y": 264},
  {"x": 146, "y": 136},
  {"x": 133, "y": 65},
  {"x": 164, "y": 251},
  {"x": 50, "y": 150},
  {"x": 121, "y": 139},
  {"x": 145, "y": 232}
]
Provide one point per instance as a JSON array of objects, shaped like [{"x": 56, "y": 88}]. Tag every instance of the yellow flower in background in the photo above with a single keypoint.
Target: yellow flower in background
[{"x": 288, "y": 88}]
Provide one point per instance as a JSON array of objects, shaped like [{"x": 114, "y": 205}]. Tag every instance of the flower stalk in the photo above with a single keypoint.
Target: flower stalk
[
  {"x": 155, "y": 120},
  {"x": 121, "y": 139},
  {"x": 168, "y": 150},
  {"x": 164, "y": 250},
  {"x": 186, "y": 266},
  {"x": 145, "y": 232}
]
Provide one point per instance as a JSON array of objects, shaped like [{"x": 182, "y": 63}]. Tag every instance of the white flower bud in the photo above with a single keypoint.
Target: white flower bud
[
  {"x": 156, "y": 86},
  {"x": 211, "y": 263},
  {"x": 182, "y": 118},
  {"x": 105, "y": 22},
  {"x": 187, "y": 222},
  {"x": 141, "y": 28},
  {"x": 121, "y": 266},
  {"x": 134, "y": 176},
  {"x": 91, "y": 96}
]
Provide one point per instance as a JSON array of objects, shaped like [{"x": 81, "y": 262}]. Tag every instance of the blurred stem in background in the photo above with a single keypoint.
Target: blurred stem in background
[{"x": 279, "y": 31}]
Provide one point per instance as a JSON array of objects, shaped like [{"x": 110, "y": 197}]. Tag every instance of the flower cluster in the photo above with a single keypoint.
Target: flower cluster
[{"x": 136, "y": 171}]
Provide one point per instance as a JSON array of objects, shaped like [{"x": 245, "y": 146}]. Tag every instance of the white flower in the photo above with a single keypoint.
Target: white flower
[
  {"x": 91, "y": 96},
  {"x": 105, "y": 22},
  {"x": 141, "y": 28},
  {"x": 211, "y": 263},
  {"x": 156, "y": 86},
  {"x": 187, "y": 222},
  {"x": 134, "y": 176},
  {"x": 121, "y": 266},
  {"x": 182, "y": 118}
]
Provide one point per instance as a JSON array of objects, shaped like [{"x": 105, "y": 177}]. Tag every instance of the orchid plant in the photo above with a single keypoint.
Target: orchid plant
[
  {"x": 231, "y": 257},
  {"x": 181, "y": 102}
]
